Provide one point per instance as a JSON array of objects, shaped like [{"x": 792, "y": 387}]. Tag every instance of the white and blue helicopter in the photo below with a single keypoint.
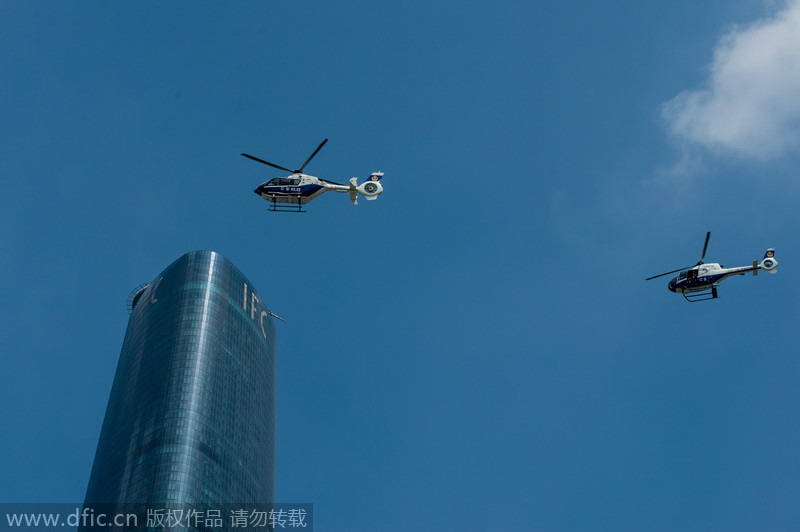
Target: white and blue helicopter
[
  {"x": 289, "y": 194},
  {"x": 699, "y": 282}
]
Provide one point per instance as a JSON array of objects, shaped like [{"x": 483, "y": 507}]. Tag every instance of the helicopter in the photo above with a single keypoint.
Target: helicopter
[
  {"x": 289, "y": 194},
  {"x": 699, "y": 282}
]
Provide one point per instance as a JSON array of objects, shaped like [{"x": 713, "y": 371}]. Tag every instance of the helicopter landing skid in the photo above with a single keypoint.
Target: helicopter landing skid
[
  {"x": 286, "y": 207},
  {"x": 702, "y": 296}
]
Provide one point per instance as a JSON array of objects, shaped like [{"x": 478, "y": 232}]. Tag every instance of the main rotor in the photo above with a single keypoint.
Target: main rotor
[
  {"x": 279, "y": 167},
  {"x": 702, "y": 256}
]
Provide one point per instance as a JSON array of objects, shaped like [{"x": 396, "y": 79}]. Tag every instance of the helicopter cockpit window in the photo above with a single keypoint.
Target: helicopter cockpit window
[
  {"x": 682, "y": 276},
  {"x": 283, "y": 181}
]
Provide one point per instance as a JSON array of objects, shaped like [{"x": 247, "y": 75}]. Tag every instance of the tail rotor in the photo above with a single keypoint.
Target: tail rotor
[{"x": 370, "y": 189}]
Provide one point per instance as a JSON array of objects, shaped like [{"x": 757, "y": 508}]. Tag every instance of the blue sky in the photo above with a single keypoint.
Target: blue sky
[{"x": 476, "y": 350}]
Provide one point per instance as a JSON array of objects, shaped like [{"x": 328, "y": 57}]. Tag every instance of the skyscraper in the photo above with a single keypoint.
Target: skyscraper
[{"x": 191, "y": 413}]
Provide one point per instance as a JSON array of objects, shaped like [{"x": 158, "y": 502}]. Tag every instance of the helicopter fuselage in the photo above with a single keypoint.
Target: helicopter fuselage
[
  {"x": 299, "y": 188},
  {"x": 704, "y": 277},
  {"x": 296, "y": 188}
]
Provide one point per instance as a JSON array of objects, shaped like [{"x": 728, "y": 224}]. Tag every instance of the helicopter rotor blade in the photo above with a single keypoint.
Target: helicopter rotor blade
[
  {"x": 705, "y": 246},
  {"x": 300, "y": 171},
  {"x": 667, "y": 273},
  {"x": 268, "y": 163}
]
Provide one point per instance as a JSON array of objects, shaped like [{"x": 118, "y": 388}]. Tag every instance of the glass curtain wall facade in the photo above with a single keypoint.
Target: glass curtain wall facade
[{"x": 191, "y": 415}]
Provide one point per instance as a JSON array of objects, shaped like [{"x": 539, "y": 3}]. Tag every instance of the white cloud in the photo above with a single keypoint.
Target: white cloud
[{"x": 750, "y": 105}]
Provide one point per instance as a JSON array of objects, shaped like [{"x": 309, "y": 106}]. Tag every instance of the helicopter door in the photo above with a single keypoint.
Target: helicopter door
[{"x": 692, "y": 275}]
